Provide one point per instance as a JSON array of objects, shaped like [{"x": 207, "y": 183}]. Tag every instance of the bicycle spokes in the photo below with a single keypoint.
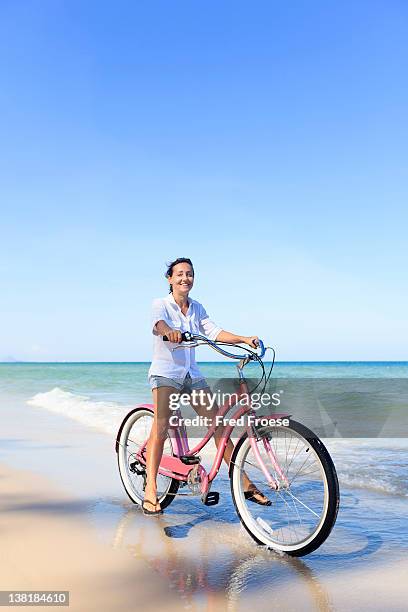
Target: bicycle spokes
[{"x": 297, "y": 487}]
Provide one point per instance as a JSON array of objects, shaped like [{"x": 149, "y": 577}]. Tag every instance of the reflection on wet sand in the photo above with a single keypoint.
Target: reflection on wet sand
[{"x": 217, "y": 567}]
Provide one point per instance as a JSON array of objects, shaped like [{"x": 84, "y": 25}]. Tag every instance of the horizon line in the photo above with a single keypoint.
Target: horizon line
[{"x": 17, "y": 361}]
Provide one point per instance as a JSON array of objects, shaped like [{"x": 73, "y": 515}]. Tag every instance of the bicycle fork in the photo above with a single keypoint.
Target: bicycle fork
[{"x": 272, "y": 482}]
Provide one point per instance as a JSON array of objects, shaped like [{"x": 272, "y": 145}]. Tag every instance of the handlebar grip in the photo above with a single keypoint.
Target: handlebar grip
[
  {"x": 262, "y": 347},
  {"x": 185, "y": 337}
]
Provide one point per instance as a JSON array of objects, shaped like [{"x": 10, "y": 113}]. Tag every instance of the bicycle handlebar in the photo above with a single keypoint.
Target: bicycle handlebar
[
  {"x": 185, "y": 336},
  {"x": 189, "y": 337}
]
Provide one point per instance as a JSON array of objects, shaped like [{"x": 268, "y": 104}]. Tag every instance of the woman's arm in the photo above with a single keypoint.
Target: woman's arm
[
  {"x": 225, "y": 336},
  {"x": 174, "y": 335}
]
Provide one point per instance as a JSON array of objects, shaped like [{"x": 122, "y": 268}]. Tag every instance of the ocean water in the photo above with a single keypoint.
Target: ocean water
[{"x": 99, "y": 395}]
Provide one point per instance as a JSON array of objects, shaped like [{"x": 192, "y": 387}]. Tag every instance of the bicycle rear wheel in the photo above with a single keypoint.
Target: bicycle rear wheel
[
  {"x": 303, "y": 509},
  {"x": 133, "y": 433}
]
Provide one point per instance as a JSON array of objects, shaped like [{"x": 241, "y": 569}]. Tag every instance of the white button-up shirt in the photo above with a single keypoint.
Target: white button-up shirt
[{"x": 177, "y": 364}]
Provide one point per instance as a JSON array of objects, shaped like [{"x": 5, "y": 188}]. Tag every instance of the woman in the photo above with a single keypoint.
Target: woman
[{"x": 177, "y": 371}]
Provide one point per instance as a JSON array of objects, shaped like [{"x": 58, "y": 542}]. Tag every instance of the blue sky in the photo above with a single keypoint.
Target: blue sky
[{"x": 266, "y": 141}]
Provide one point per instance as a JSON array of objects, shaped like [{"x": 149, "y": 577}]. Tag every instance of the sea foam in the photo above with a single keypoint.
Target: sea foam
[{"x": 104, "y": 416}]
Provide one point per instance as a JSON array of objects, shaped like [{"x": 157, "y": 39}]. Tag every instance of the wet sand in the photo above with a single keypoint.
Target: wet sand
[
  {"x": 66, "y": 523},
  {"x": 48, "y": 544}
]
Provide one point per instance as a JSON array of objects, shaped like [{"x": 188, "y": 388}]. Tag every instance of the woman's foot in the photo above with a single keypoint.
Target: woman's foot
[
  {"x": 149, "y": 508},
  {"x": 150, "y": 503},
  {"x": 254, "y": 495}
]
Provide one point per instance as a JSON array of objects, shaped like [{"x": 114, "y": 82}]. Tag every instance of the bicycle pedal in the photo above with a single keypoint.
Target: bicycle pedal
[
  {"x": 211, "y": 498},
  {"x": 136, "y": 468},
  {"x": 190, "y": 459}
]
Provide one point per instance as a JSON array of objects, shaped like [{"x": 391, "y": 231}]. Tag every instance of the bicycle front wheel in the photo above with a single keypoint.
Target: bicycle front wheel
[{"x": 304, "y": 508}]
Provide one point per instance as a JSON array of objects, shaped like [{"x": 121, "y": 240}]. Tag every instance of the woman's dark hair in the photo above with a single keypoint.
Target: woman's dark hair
[{"x": 171, "y": 265}]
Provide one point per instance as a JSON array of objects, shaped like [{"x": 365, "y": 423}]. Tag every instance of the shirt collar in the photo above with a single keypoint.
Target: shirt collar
[{"x": 172, "y": 301}]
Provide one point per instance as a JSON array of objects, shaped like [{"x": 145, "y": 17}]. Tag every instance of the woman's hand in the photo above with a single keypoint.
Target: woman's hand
[
  {"x": 174, "y": 335},
  {"x": 252, "y": 341}
]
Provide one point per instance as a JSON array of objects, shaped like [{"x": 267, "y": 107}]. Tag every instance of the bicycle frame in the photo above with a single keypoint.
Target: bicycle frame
[{"x": 174, "y": 467}]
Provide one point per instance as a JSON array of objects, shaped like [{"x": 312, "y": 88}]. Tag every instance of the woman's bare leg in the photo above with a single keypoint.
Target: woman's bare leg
[
  {"x": 154, "y": 448},
  {"x": 201, "y": 407}
]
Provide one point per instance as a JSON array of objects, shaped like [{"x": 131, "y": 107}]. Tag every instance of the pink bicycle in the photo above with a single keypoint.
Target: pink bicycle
[{"x": 283, "y": 458}]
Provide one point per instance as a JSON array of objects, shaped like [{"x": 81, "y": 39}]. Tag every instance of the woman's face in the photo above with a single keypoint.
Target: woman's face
[{"x": 182, "y": 278}]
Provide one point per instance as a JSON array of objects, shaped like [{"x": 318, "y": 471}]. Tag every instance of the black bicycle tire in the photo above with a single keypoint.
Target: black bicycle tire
[
  {"x": 332, "y": 483},
  {"x": 174, "y": 485}
]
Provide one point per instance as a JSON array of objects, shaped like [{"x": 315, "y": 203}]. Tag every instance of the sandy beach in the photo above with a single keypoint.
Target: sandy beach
[
  {"x": 48, "y": 544},
  {"x": 67, "y": 524}
]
